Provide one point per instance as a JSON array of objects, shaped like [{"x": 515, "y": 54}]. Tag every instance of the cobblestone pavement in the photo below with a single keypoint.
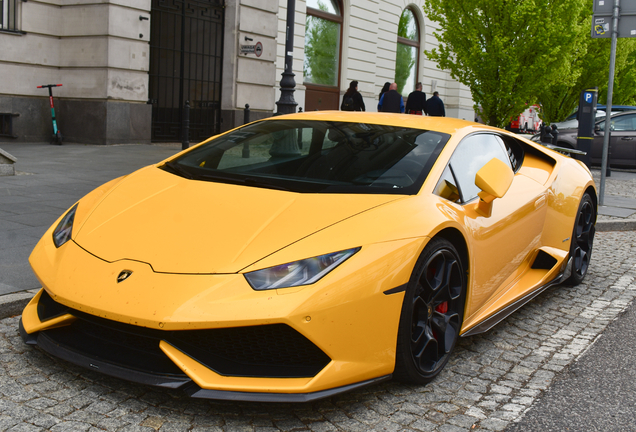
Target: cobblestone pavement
[
  {"x": 621, "y": 183},
  {"x": 491, "y": 380}
]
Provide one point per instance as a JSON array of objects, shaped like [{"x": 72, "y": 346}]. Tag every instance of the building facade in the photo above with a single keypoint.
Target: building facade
[{"x": 128, "y": 68}]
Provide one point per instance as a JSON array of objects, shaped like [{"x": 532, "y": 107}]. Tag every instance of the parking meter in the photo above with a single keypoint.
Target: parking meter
[{"x": 586, "y": 116}]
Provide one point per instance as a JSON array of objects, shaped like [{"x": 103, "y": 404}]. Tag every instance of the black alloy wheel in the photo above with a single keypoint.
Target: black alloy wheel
[
  {"x": 582, "y": 240},
  {"x": 432, "y": 313}
]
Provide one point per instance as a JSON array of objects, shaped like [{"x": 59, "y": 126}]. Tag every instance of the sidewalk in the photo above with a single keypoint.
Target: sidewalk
[{"x": 49, "y": 179}]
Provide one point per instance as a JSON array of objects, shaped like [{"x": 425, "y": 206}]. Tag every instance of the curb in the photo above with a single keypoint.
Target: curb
[
  {"x": 13, "y": 304},
  {"x": 626, "y": 225}
]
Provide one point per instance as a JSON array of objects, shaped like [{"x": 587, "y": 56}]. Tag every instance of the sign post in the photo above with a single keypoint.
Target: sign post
[{"x": 610, "y": 20}]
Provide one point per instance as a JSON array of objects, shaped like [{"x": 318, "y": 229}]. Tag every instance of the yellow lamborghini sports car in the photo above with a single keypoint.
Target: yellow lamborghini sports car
[{"x": 305, "y": 255}]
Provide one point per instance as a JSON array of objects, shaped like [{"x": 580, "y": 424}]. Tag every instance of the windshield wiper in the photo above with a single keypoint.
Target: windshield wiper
[
  {"x": 245, "y": 181},
  {"x": 177, "y": 169},
  {"x": 256, "y": 181}
]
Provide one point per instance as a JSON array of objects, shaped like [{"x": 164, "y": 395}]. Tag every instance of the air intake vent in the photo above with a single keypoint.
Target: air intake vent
[{"x": 544, "y": 261}]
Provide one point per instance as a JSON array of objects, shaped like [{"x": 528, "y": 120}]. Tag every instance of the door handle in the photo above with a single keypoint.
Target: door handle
[{"x": 627, "y": 138}]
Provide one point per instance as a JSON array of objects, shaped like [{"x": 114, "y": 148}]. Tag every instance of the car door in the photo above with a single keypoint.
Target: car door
[
  {"x": 499, "y": 244},
  {"x": 622, "y": 151}
]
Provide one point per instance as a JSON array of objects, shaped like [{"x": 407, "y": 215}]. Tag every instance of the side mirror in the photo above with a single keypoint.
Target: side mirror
[{"x": 494, "y": 180}]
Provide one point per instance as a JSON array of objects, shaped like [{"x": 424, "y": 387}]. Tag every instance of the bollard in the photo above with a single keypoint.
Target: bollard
[
  {"x": 555, "y": 134},
  {"x": 546, "y": 136},
  {"x": 185, "y": 127},
  {"x": 246, "y": 114},
  {"x": 246, "y": 120}
]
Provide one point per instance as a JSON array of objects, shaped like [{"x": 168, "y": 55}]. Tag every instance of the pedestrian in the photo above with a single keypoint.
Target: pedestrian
[
  {"x": 416, "y": 102},
  {"x": 352, "y": 99},
  {"x": 391, "y": 101},
  {"x": 385, "y": 89},
  {"x": 435, "y": 106}
]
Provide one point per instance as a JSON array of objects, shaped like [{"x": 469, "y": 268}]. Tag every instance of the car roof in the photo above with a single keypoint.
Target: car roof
[
  {"x": 439, "y": 124},
  {"x": 619, "y": 107},
  {"x": 602, "y": 107},
  {"x": 618, "y": 114}
]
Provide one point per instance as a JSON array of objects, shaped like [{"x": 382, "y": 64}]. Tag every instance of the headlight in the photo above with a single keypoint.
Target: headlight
[
  {"x": 64, "y": 229},
  {"x": 303, "y": 272}
]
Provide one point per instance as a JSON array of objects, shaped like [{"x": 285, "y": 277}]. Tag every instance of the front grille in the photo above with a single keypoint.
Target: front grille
[
  {"x": 274, "y": 351},
  {"x": 130, "y": 350}
]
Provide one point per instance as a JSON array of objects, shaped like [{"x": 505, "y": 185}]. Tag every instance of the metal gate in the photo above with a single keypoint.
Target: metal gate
[{"x": 186, "y": 54}]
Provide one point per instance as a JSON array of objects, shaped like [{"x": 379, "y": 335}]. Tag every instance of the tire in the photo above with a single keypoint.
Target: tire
[
  {"x": 432, "y": 313},
  {"x": 582, "y": 240}
]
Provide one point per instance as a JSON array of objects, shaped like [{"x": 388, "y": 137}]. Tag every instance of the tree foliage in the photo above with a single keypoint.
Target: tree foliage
[
  {"x": 589, "y": 67},
  {"x": 625, "y": 78},
  {"x": 507, "y": 51}
]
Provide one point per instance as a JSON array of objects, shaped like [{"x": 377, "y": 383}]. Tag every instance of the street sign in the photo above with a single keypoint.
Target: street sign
[
  {"x": 257, "y": 49},
  {"x": 602, "y": 26},
  {"x": 604, "y": 7}
]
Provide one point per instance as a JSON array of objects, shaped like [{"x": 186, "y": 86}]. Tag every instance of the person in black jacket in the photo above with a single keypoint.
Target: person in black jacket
[
  {"x": 416, "y": 102},
  {"x": 435, "y": 106},
  {"x": 385, "y": 89},
  {"x": 391, "y": 101},
  {"x": 352, "y": 99}
]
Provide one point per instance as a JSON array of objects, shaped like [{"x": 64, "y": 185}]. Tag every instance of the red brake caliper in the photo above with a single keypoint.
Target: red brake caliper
[{"x": 442, "y": 307}]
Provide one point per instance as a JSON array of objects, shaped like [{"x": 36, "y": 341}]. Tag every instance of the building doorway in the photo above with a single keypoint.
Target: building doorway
[{"x": 186, "y": 55}]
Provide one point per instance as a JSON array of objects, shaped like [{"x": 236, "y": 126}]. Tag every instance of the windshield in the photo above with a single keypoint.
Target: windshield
[{"x": 316, "y": 156}]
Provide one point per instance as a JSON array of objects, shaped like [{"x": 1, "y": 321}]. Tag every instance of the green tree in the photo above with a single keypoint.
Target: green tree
[
  {"x": 625, "y": 79},
  {"x": 590, "y": 67},
  {"x": 506, "y": 51}
]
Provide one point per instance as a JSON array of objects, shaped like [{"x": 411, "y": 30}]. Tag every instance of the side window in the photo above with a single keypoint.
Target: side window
[
  {"x": 447, "y": 187},
  {"x": 472, "y": 154},
  {"x": 624, "y": 123}
]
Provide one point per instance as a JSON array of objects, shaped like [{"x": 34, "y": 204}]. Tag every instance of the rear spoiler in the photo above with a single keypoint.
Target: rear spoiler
[{"x": 565, "y": 150}]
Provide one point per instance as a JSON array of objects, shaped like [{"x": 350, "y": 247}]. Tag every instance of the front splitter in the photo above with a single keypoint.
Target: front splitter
[{"x": 177, "y": 382}]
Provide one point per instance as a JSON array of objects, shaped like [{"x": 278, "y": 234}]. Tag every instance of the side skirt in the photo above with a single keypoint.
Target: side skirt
[{"x": 495, "y": 319}]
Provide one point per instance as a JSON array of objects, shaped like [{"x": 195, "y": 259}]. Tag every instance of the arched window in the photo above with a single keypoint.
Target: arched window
[
  {"x": 407, "y": 56},
  {"x": 321, "y": 68}
]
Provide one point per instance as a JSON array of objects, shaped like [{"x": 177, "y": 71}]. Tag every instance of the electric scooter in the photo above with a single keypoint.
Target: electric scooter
[{"x": 56, "y": 138}]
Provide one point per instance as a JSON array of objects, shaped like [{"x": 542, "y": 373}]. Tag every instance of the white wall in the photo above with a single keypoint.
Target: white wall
[
  {"x": 95, "y": 50},
  {"x": 369, "y": 51},
  {"x": 248, "y": 78}
]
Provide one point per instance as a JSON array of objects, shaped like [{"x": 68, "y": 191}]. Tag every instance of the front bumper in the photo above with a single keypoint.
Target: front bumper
[
  {"x": 212, "y": 335},
  {"x": 136, "y": 355}
]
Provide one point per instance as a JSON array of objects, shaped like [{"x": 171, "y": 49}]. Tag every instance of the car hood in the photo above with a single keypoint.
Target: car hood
[{"x": 196, "y": 227}]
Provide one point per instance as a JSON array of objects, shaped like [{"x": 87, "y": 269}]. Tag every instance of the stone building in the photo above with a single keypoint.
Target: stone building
[{"x": 127, "y": 68}]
